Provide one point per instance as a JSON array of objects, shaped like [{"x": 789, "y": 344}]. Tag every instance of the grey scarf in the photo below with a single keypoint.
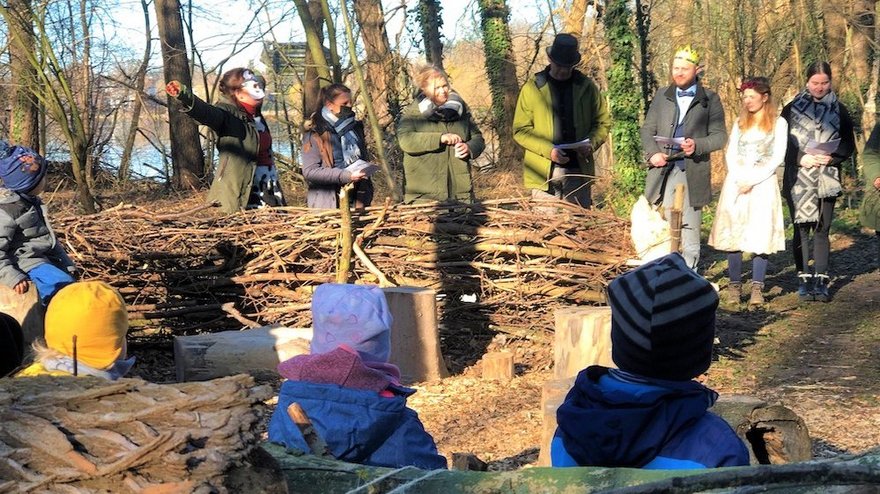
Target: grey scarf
[
  {"x": 450, "y": 111},
  {"x": 817, "y": 121}
]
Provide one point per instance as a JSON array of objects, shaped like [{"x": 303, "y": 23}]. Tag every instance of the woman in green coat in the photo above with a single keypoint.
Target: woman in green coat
[
  {"x": 439, "y": 139},
  {"x": 246, "y": 176},
  {"x": 870, "y": 210}
]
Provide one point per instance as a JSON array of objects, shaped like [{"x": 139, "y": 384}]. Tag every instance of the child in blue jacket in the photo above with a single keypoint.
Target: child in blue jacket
[
  {"x": 349, "y": 390},
  {"x": 29, "y": 250},
  {"x": 649, "y": 413}
]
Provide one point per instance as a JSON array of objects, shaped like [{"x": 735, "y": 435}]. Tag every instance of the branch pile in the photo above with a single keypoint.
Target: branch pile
[
  {"x": 68, "y": 434},
  {"x": 501, "y": 264}
]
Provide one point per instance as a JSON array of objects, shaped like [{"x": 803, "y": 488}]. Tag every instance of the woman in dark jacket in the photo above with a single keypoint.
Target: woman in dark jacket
[
  {"x": 439, "y": 139},
  {"x": 820, "y": 138},
  {"x": 333, "y": 140},
  {"x": 246, "y": 177}
]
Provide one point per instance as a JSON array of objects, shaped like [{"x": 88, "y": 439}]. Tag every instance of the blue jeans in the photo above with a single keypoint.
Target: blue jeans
[{"x": 49, "y": 279}]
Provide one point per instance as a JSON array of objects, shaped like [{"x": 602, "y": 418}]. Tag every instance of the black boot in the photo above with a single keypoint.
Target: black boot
[
  {"x": 805, "y": 287},
  {"x": 820, "y": 288}
]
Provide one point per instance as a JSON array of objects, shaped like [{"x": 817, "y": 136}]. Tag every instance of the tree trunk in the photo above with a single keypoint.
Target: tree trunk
[
  {"x": 381, "y": 68},
  {"x": 317, "y": 73},
  {"x": 501, "y": 69},
  {"x": 431, "y": 22},
  {"x": 137, "y": 105},
  {"x": 643, "y": 29},
  {"x": 331, "y": 40},
  {"x": 574, "y": 18},
  {"x": 187, "y": 160},
  {"x": 24, "y": 120}
]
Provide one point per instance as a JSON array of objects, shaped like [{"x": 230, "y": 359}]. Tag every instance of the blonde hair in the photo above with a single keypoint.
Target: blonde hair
[
  {"x": 426, "y": 73},
  {"x": 747, "y": 120}
]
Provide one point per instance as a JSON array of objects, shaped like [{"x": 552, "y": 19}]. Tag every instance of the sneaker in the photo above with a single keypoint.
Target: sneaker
[
  {"x": 805, "y": 287},
  {"x": 820, "y": 288}
]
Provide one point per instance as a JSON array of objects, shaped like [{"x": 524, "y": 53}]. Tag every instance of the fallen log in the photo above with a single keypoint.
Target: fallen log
[
  {"x": 307, "y": 474},
  {"x": 85, "y": 434}
]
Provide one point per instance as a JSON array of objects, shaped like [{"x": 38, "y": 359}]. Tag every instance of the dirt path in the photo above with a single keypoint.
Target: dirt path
[{"x": 821, "y": 360}]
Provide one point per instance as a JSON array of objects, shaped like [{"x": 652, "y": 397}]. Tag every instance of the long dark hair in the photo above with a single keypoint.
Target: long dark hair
[
  {"x": 820, "y": 67},
  {"x": 329, "y": 93}
]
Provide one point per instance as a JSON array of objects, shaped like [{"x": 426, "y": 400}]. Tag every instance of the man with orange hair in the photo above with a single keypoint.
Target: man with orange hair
[{"x": 684, "y": 124}]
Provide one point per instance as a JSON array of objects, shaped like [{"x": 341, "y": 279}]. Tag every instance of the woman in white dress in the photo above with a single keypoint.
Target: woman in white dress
[{"x": 749, "y": 216}]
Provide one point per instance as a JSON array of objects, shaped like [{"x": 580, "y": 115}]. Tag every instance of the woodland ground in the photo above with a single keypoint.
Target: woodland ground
[{"x": 822, "y": 360}]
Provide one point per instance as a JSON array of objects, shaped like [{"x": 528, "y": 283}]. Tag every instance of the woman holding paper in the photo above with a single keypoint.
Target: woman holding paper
[
  {"x": 439, "y": 139},
  {"x": 749, "y": 216},
  {"x": 820, "y": 138},
  {"x": 334, "y": 150}
]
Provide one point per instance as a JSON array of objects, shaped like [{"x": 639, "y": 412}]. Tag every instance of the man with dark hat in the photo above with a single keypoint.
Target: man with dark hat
[
  {"x": 561, "y": 118},
  {"x": 649, "y": 413}
]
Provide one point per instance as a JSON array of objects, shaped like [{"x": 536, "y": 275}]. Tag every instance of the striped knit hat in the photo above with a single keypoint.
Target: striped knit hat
[{"x": 662, "y": 320}]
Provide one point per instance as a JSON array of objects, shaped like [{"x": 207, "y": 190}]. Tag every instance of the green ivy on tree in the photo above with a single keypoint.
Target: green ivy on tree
[{"x": 626, "y": 105}]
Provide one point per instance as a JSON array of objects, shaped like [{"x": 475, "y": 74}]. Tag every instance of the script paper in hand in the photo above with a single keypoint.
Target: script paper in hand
[{"x": 363, "y": 166}]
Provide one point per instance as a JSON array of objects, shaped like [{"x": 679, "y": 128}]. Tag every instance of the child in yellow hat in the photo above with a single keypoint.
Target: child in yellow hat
[{"x": 85, "y": 329}]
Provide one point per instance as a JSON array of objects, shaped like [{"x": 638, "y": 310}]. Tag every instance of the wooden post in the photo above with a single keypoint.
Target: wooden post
[
  {"x": 582, "y": 338},
  {"x": 208, "y": 356},
  {"x": 343, "y": 268},
  {"x": 415, "y": 338},
  {"x": 675, "y": 218},
  {"x": 552, "y": 395},
  {"x": 26, "y": 309},
  {"x": 498, "y": 365},
  {"x": 314, "y": 440}
]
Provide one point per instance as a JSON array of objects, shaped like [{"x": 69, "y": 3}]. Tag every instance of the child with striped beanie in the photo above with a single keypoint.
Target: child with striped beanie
[{"x": 649, "y": 412}]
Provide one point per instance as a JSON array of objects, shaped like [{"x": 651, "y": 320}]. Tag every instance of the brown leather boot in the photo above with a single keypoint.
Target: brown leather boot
[
  {"x": 733, "y": 293},
  {"x": 757, "y": 297}
]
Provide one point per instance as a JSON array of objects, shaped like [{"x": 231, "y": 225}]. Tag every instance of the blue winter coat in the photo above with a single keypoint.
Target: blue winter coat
[
  {"x": 359, "y": 426},
  {"x": 608, "y": 422}
]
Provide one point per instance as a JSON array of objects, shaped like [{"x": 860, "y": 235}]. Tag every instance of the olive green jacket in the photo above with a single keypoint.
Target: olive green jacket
[
  {"x": 869, "y": 213},
  {"x": 237, "y": 142},
  {"x": 431, "y": 170},
  {"x": 533, "y": 124}
]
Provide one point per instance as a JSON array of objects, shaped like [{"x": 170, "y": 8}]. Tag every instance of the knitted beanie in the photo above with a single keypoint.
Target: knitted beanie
[
  {"x": 354, "y": 315},
  {"x": 21, "y": 168},
  {"x": 662, "y": 320},
  {"x": 94, "y": 312}
]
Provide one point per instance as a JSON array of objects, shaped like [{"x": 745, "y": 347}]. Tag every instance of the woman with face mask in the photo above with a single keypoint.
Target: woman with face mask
[
  {"x": 334, "y": 140},
  {"x": 439, "y": 139},
  {"x": 820, "y": 138},
  {"x": 246, "y": 176}
]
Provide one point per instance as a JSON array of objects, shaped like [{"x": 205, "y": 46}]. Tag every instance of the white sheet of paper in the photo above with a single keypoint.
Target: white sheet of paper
[
  {"x": 574, "y": 145},
  {"x": 822, "y": 148},
  {"x": 669, "y": 141},
  {"x": 363, "y": 166}
]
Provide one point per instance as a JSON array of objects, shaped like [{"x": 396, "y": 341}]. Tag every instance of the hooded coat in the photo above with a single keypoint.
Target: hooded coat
[
  {"x": 238, "y": 143},
  {"x": 611, "y": 423}
]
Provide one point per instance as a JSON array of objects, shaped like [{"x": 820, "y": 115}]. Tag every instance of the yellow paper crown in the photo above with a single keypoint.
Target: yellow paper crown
[{"x": 689, "y": 54}]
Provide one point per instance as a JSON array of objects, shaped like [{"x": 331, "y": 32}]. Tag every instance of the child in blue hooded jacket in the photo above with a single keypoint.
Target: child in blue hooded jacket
[
  {"x": 349, "y": 390},
  {"x": 649, "y": 413}
]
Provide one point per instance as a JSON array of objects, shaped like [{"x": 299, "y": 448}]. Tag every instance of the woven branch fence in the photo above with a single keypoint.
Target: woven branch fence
[{"x": 501, "y": 265}]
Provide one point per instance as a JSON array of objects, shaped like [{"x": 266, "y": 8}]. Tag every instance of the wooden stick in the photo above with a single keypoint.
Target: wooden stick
[
  {"x": 383, "y": 280},
  {"x": 343, "y": 268},
  {"x": 675, "y": 217},
  {"x": 316, "y": 444}
]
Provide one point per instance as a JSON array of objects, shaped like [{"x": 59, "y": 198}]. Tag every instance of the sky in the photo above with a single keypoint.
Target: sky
[{"x": 222, "y": 22}]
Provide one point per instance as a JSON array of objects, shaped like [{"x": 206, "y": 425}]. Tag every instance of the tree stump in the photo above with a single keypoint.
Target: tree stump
[
  {"x": 26, "y": 309},
  {"x": 773, "y": 434},
  {"x": 208, "y": 356},
  {"x": 498, "y": 365},
  {"x": 552, "y": 395},
  {"x": 582, "y": 338},
  {"x": 415, "y": 338}
]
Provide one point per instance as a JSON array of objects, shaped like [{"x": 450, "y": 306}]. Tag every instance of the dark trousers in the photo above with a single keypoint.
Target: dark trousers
[
  {"x": 800, "y": 245},
  {"x": 11, "y": 344}
]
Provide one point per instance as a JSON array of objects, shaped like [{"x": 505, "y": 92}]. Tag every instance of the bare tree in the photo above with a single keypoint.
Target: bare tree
[
  {"x": 317, "y": 73},
  {"x": 24, "y": 120},
  {"x": 381, "y": 68},
  {"x": 137, "y": 105},
  {"x": 187, "y": 160}
]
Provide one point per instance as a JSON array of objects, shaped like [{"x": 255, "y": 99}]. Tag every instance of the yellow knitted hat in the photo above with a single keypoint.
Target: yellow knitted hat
[{"x": 95, "y": 313}]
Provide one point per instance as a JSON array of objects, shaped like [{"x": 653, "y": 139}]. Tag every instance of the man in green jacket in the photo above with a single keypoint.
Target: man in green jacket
[{"x": 560, "y": 119}]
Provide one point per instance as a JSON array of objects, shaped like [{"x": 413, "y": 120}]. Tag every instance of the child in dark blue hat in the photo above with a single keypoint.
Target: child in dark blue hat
[
  {"x": 29, "y": 250},
  {"x": 649, "y": 412}
]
